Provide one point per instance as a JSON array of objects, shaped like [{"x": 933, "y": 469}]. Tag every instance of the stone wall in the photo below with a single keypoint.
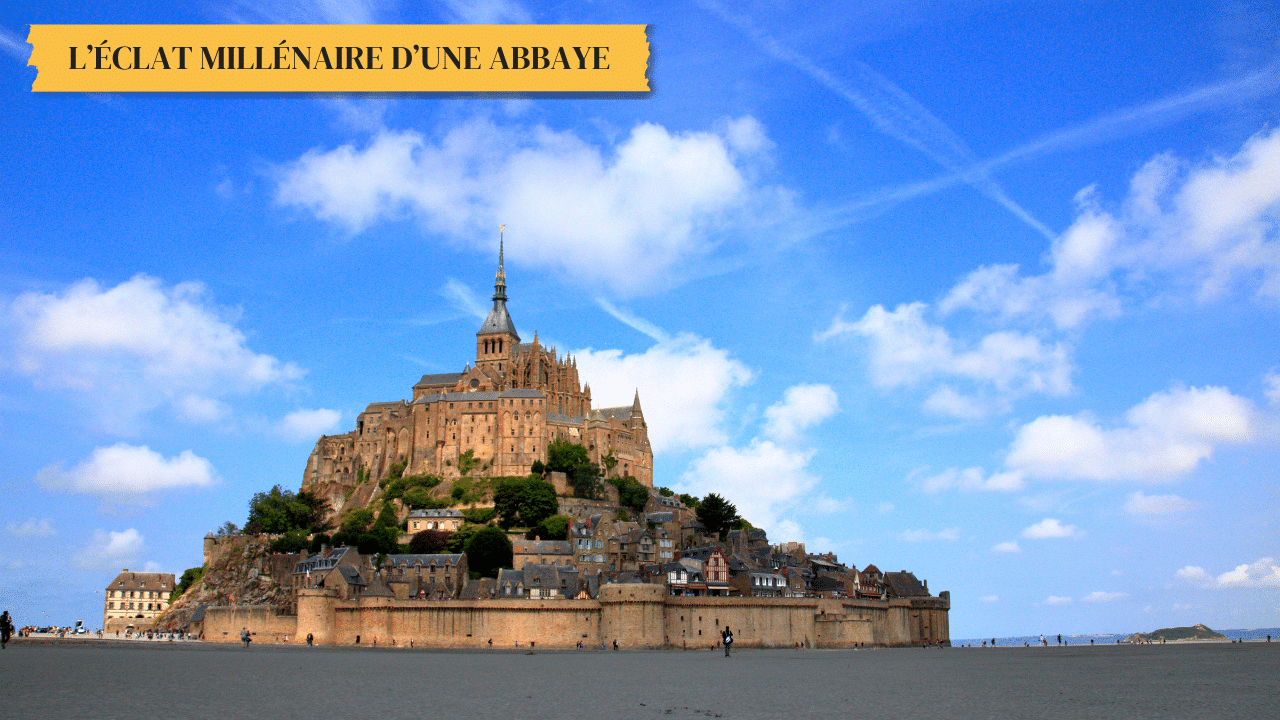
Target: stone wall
[
  {"x": 222, "y": 623},
  {"x": 636, "y": 615}
]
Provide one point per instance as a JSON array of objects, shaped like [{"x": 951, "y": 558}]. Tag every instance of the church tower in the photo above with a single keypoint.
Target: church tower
[{"x": 497, "y": 341}]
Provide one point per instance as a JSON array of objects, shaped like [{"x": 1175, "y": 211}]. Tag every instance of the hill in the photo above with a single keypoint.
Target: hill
[{"x": 1195, "y": 632}]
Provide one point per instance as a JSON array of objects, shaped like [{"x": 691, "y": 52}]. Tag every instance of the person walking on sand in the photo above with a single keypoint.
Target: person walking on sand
[
  {"x": 244, "y": 636},
  {"x": 310, "y": 640},
  {"x": 6, "y": 629},
  {"x": 728, "y": 640}
]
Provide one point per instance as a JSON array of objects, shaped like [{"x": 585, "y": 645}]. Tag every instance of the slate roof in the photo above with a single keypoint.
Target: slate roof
[
  {"x": 410, "y": 560},
  {"x": 142, "y": 581},
  {"x": 665, "y": 516},
  {"x": 621, "y": 414},
  {"x": 351, "y": 575},
  {"x": 478, "y": 589},
  {"x": 510, "y": 583},
  {"x": 563, "y": 419},
  {"x": 315, "y": 562},
  {"x": 440, "y": 379},
  {"x": 479, "y": 395},
  {"x": 498, "y": 321},
  {"x": 904, "y": 584}
]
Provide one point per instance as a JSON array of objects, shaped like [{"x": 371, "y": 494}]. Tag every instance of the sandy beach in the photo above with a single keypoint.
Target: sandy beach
[{"x": 86, "y": 678}]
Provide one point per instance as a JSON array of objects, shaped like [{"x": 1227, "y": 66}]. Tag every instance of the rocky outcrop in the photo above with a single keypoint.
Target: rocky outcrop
[{"x": 242, "y": 571}]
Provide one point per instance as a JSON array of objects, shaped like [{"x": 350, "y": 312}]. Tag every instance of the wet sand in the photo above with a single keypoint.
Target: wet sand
[{"x": 106, "y": 679}]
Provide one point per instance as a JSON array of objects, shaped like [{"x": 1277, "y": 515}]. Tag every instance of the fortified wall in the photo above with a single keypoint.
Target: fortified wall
[{"x": 636, "y": 615}]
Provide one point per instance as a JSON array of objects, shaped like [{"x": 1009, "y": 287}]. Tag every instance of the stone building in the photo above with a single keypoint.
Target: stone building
[
  {"x": 447, "y": 519},
  {"x": 437, "y": 576},
  {"x": 499, "y": 413},
  {"x": 135, "y": 599}
]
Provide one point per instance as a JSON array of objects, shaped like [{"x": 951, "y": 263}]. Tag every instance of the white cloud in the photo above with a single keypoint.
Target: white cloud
[
  {"x": 990, "y": 598},
  {"x": 1006, "y": 547},
  {"x": 309, "y": 424},
  {"x": 1271, "y": 387},
  {"x": 1204, "y": 229},
  {"x": 929, "y": 535},
  {"x": 128, "y": 473},
  {"x": 1139, "y": 504},
  {"x": 802, "y": 406},
  {"x": 684, "y": 383},
  {"x": 111, "y": 550},
  {"x": 906, "y": 349},
  {"x": 1098, "y": 596},
  {"x": 32, "y": 528},
  {"x": 1167, "y": 435},
  {"x": 972, "y": 479},
  {"x": 1057, "y": 600},
  {"x": 139, "y": 345},
  {"x": 1264, "y": 572},
  {"x": 762, "y": 480},
  {"x": 885, "y": 508},
  {"x": 633, "y": 216},
  {"x": 1049, "y": 528}
]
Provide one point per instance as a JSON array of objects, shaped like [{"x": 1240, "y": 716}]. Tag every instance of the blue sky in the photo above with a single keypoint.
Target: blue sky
[{"x": 984, "y": 291}]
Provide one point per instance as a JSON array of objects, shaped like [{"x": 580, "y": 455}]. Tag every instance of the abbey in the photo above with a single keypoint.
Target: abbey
[{"x": 505, "y": 409}]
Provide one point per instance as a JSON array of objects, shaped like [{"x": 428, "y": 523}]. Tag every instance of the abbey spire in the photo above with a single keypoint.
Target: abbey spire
[{"x": 497, "y": 338}]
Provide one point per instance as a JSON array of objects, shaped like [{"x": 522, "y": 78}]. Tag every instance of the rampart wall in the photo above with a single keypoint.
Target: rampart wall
[
  {"x": 222, "y": 623},
  {"x": 636, "y": 615}
]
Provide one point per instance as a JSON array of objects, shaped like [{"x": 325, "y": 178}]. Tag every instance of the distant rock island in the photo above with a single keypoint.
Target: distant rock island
[{"x": 1195, "y": 632}]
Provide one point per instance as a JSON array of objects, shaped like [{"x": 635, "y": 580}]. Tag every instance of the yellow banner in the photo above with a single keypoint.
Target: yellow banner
[{"x": 340, "y": 58}]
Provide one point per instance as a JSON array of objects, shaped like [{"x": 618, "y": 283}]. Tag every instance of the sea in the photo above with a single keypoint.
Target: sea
[{"x": 1255, "y": 635}]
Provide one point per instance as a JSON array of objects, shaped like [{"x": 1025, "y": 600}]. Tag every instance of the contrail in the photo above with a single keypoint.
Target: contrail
[
  {"x": 1259, "y": 84},
  {"x": 895, "y": 113}
]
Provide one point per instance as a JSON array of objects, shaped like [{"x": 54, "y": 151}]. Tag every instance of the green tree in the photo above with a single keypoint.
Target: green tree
[
  {"x": 190, "y": 577},
  {"x": 428, "y": 542},
  {"x": 458, "y": 540},
  {"x": 228, "y": 528},
  {"x": 631, "y": 493},
  {"x": 666, "y": 492},
  {"x": 279, "y": 510},
  {"x": 537, "y": 468},
  {"x": 320, "y": 539},
  {"x": 564, "y": 456},
  {"x": 525, "y": 502},
  {"x": 586, "y": 482},
  {"x": 689, "y": 501},
  {"x": 555, "y": 527},
  {"x": 291, "y": 542},
  {"x": 716, "y": 514},
  {"x": 488, "y": 550},
  {"x": 357, "y": 520},
  {"x": 388, "y": 517}
]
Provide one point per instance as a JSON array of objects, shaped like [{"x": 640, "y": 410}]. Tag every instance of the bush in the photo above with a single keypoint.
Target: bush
[
  {"x": 480, "y": 516},
  {"x": 467, "y": 462},
  {"x": 666, "y": 492},
  {"x": 631, "y": 493}
]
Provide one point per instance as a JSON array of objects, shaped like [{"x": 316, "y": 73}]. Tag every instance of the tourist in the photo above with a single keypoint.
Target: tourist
[
  {"x": 310, "y": 640},
  {"x": 244, "y": 636},
  {"x": 615, "y": 644},
  {"x": 6, "y": 629},
  {"x": 728, "y": 640}
]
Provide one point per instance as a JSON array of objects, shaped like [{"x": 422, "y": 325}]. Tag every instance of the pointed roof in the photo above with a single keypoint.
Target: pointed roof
[{"x": 499, "y": 321}]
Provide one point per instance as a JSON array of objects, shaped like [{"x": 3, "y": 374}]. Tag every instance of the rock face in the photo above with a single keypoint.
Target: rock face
[
  {"x": 1194, "y": 632},
  {"x": 241, "y": 571}
]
